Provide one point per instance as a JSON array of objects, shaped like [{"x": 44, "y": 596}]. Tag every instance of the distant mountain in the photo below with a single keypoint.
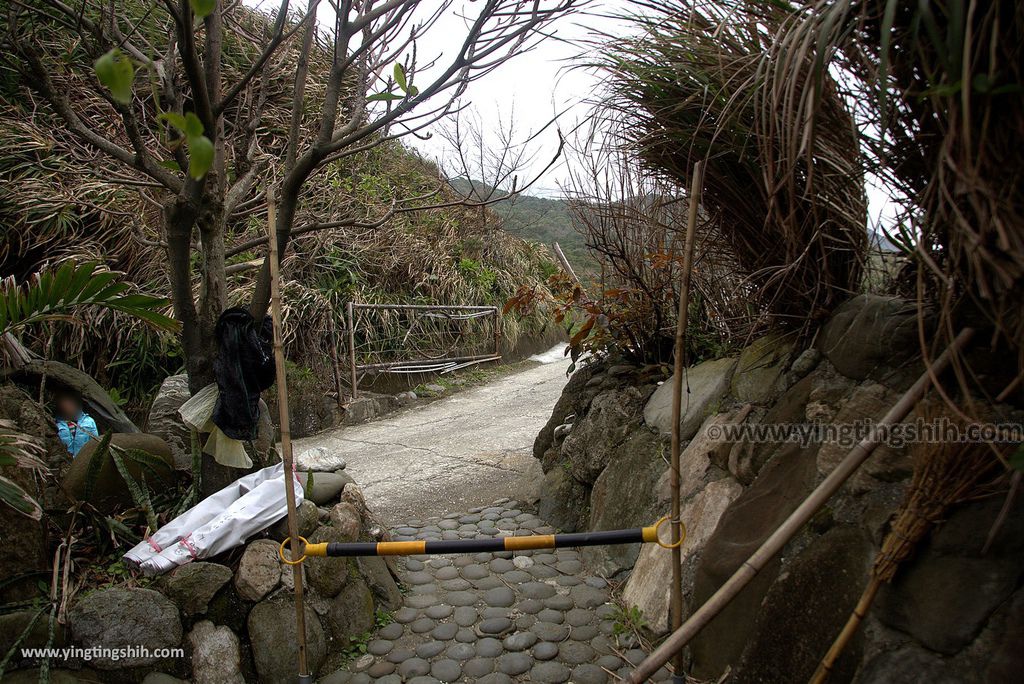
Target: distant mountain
[
  {"x": 539, "y": 219},
  {"x": 881, "y": 241}
]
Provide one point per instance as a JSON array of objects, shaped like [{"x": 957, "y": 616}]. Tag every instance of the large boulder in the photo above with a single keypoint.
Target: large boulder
[
  {"x": 97, "y": 401},
  {"x": 575, "y": 398},
  {"x": 274, "y": 639},
  {"x": 17, "y": 531},
  {"x": 216, "y": 658},
  {"x": 950, "y": 565},
  {"x": 625, "y": 495},
  {"x": 701, "y": 459},
  {"x": 308, "y": 516},
  {"x": 865, "y": 405},
  {"x": 369, "y": 406},
  {"x": 351, "y": 613},
  {"x": 109, "y": 490},
  {"x": 326, "y": 487},
  {"x": 330, "y": 575},
  {"x": 378, "y": 577},
  {"x": 29, "y": 628},
  {"x": 193, "y": 585},
  {"x": 120, "y": 618},
  {"x": 648, "y": 588},
  {"x": 760, "y": 366},
  {"x": 780, "y": 487},
  {"x": 259, "y": 571},
  {"x": 910, "y": 664},
  {"x": 705, "y": 387},
  {"x": 870, "y": 336},
  {"x": 595, "y": 439},
  {"x": 164, "y": 421},
  {"x": 1001, "y": 656},
  {"x": 814, "y": 399},
  {"x": 828, "y": 577},
  {"x": 564, "y": 501}
]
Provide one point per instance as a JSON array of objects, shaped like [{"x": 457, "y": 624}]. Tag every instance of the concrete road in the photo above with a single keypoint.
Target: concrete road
[{"x": 464, "y": 450}]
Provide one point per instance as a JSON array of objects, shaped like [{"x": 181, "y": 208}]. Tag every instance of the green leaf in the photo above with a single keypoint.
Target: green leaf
[
  {"x": 16, "y": 497},
  {"x": 1017, "y": 458},
  {"x": 174, "y": 119},
  {"x": 200, "y": 151},
  {"x": 117, "y": 73},
  {"x": 193, "y": 126},
  {"x": 400, "y": 77},
  {"x": 383, "y": 97},
  {"x": 413, "y": 91},
  {"x": 202, "y": 8},
  {"x": 96, "y": 460},
  {"x": 117, "y": 527},
  {"x": 53, "y": 295},
  {"x": 170, "y": 164}
]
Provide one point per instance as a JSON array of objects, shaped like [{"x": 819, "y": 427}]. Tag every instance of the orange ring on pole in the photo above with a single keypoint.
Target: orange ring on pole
[
  {"x": 676, "y": 544},
  {"x": 280, "y": 551}
]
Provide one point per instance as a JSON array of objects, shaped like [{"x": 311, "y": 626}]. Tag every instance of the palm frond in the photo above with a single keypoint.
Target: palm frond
[{"x": 56, "y": 294}]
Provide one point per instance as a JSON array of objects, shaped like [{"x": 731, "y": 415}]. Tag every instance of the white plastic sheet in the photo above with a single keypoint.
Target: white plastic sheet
[
  {"x": 197, "y": 413},
  {"x": 217, "y": 523}
]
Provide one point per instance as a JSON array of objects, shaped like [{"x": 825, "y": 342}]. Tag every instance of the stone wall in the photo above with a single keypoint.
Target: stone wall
[
  {"x": 952, "y": 614},
  {"x": 234, "y": 614}
]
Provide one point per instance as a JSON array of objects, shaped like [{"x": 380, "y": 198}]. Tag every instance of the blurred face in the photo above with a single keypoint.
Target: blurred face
[{"x": 68, "y": 407}]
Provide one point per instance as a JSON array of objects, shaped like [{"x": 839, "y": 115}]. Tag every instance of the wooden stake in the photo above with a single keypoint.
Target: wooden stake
[
  {"x": 286, "y": 438},
  {"x": 679, "y": 370},
  {"x": 797, "y": 519},
  {"x": 334, "y": 362},
  {"x": 566, "y": 266},
  {"x": 352, "y": 349}
]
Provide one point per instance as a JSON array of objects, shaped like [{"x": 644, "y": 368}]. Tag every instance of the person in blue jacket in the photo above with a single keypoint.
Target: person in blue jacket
[{"x": 75, "y": 427}]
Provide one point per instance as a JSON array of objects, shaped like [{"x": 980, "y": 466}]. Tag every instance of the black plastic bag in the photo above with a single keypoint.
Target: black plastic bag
[{"x": 244, "y": 367}]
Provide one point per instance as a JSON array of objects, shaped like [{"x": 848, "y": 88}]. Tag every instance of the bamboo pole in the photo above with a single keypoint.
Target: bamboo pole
[
  {"x": 352, "y": 349},
  {"x": 566, "y": 266},
  {"x": 334, "y": 362},
  {"x": 821, "y": 674},
  {"x": 804, "y": 512},
  {"x": 497, "y": 332},
  {"x": 679, "y": 369},
  {"x": 286, "y": 440},
  {"x": 425, "y": 307}
]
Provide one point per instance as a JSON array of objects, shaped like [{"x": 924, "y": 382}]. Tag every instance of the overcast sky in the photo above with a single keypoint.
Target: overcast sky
[{"x": 533, "y": 87}]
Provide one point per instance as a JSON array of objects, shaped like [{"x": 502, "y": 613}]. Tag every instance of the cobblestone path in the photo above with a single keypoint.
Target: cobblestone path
[{"x": 495, "y": 618}]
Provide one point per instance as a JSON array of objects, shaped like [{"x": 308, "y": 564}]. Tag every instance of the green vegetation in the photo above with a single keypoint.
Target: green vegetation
[
  {"x": 357, "y": 644},
  {"x": 538, "y": 219},
  {"x": 628, "y": 621},
  {"x": 547, "y": 221},
  {"x": 56, "y": 208}
]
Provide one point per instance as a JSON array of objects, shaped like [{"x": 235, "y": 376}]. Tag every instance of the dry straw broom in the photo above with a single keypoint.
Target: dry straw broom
[{"x": 945, "y": 473}]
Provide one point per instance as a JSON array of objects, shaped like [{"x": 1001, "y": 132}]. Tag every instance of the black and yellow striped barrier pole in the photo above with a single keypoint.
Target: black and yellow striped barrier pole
[{"x": 635, "y": 535}]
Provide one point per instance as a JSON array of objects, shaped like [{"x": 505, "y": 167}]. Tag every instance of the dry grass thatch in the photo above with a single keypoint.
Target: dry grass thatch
[
  {"x": 783, "y": 181},
  {"x": 937, "y": 89}
]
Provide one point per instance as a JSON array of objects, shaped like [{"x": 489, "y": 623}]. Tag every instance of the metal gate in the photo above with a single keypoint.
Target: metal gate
[{"x": 437, "y": 339}]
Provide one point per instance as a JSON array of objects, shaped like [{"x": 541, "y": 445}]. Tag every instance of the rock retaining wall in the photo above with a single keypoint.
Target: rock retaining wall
[{"x": 953, "y": 614}]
